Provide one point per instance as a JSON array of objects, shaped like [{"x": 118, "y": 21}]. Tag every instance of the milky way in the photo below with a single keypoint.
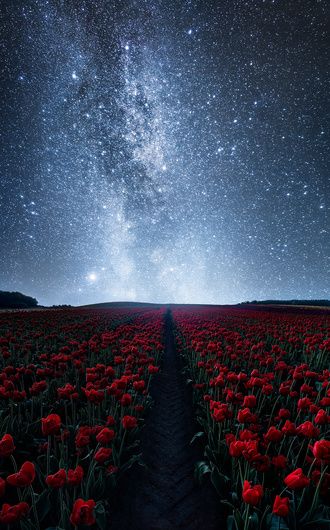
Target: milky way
[{"x": 165, "y": 151}]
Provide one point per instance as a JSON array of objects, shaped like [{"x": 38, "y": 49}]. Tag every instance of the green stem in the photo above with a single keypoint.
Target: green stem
[{"x": 34, "y": 508}]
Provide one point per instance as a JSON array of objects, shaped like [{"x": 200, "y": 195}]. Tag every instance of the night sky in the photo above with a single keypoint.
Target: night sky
[{"x": 164, "y": 150}]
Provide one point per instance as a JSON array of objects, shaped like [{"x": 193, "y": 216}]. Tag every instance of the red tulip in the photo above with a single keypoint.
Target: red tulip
[
  {"x": 2, "y": 487},
  {"x": 102, "y": 454},
  {"x": 284, "y": 414},
  {"x": 11, "y": 514},
  {"x": 126, "y": 400},
  {"x": 289, "y": 428},
  {"x": 296, "y": 480},
  {"x": 279, "y": 461},
  {"x": 322, "y": 418},
  {"x": 281, "y": 506},
  {"x": 139, "y": 386},
  {"x": 236, "y": 448},
  {"x": 250, "y": 401},
  {"x": 24, "y": 477},
  {"x": 321, "y": 451},
  {"x": 246, "y": 416},
  {"x": 153, "y": 369},
  {"x": 105, "y": 436},
  {"x": 129, "y": 422},
  {"x": 273, "y": 435},
  {"x": 51, "y": 424},
  {"x": 308, "y": 430},
  {"x": 6, "y": 445},
  {"x": 252, "y": 494},
  {"x": 57, "y": 480},
  {"x": 110, "y": 421},
  {"x": 83, "y": 513},
  {"x": 75, "y": 476}
]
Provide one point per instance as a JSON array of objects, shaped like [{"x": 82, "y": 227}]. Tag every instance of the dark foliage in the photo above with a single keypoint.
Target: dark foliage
[
  {"x": 16, "y": 300},
  {"x": 291, "y": 302}
]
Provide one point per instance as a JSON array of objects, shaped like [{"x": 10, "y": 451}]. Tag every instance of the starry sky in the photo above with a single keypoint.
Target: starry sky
[{"x": 164, "y": 150}]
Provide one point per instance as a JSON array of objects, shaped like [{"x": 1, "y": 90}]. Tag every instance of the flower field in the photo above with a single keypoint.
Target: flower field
[
  {"x": 73, "y": 389},
  {"x": 75, "y": 392},
  {"x": 262, "y": 392}
]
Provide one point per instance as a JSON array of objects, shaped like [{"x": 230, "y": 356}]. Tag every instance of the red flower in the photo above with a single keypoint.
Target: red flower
[
  {"x": 250, "y": 401},
  {"x": 153, "y": 369},
  {"x": 83, "y": 436},
  {"x": 139, "y": 386},
  {"x": 252, "y": 494},
  {"x": 24, "y": 477},
  {"x": 6, "y": 445},
  {"x": 57, "y": 480},
  {"x": 51, "y": 424},
  {"x": 129, "y": 422},
  {"x": 321, "y": 451},
  {"x": 102, "y": 455},
  {"x": 279, "y": 461},
  {"x": 289, "y": 428},
  {"x": 126, "y": 400},
  {"x": 110, "y": 421},
  {"x": 296, "y": 480},
  {"x": 219, "y": 415},
  {"x": 281, "y": 506},
  {"x": 236, "y": 448},
  {"x": 230, "y": 437},
  {"x": 303, "y": 403},
  {"x": 2, "y": 487},
  {"x": 246, "y": 416},
  {"x": 83, "y": 513},
  {"x": 308, "y": 430},
  {"x": 284, "y": 414},
  {"x": 273, "y": 435},
  {"x": 75, "y": 476},
  {"x": 11, "y": 514},
  {"x": 322, "y": 418},
  {"x": 105, "y": 436}
]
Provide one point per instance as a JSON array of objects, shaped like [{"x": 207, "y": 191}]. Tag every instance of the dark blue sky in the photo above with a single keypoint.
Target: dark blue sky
[{"x": 164, "y": 150}]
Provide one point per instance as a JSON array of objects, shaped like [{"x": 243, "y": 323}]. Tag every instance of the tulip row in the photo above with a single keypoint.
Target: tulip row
[
  {"x": 262, "y": 393},
  {"x": 73, "y": 390}
]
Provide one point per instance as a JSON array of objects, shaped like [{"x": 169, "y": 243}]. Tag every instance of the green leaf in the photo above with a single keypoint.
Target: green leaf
[
  {"x": 100, "y": 516},
  {"x": 98, "y": 487},
  {"x": 201, "y": 469},
  {"x": 227, "y": 503},
  {"x": 197, "y": 435},
  {"x": 26, "y": 525},
  {"x": 209, "y": 453},
  {"x": 219, "y": 481},
  {"x": 234, "y": 497},
  {"x": 231, "y": 525},
  {"x": 135, "y": 459},
  {"x": 238, "y": 519},
  {"x": 274, "y": 522},
  {"x": 254, "y": 521},
  {"x": 317, "y": 522},
  {"x": 43, "y": 504}
]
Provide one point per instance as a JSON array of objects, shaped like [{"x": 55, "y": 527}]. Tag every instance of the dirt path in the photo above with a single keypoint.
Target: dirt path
[{"x": 163, "y": 496}]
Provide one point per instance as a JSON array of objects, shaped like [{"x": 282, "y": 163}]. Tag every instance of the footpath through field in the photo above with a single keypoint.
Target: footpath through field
[{"x": 163, "y": 495}]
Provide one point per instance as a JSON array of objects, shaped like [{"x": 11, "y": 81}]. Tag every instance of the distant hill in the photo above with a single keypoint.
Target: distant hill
[
  {"x": 16, "y": 300},
  {"x": 123, "y": 304},
  {"x": 318, "y": 303}
]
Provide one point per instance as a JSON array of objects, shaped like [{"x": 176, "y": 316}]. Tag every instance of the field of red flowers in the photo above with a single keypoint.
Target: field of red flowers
[
  {"x": 262, "y": 391},
  {"x": 75, "y": 390}
]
